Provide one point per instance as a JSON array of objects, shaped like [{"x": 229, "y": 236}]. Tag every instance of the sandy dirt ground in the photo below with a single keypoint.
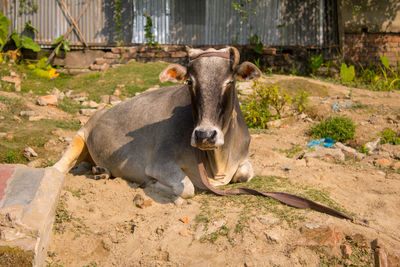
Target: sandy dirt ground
[{"x": 115, "y": 223}]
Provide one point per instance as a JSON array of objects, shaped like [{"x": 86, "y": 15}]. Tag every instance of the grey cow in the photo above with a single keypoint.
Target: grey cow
[{"x": 151, "y": 139}]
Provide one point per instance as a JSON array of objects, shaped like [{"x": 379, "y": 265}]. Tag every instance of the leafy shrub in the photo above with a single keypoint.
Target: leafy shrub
[
  {"x": 338, "y": 128},
  {"x": 347, "y": 73},
  {"x": 300, "y": 101},
  {"x": 264, "y": 104},
  {"x": 315, "y": 63},
  {"x": 388, "y": 136}
]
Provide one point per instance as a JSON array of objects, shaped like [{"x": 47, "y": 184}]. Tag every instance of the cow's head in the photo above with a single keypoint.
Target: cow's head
[{"x": 210, "y": 78}]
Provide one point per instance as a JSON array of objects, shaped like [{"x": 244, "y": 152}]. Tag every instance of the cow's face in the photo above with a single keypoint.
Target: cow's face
[{"x": 210, "y": 78}]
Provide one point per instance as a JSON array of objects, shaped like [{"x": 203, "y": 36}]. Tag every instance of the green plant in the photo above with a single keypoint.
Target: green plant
[
  {"x": 61, "y": 43},
  {"x": 264, "y": 104},
  {"x": 19, "y": 41},
  {"x": 43, "y": 70},
  {"x": 347, "y": 73},
  {"x": 118, "y": 19},
  {"x": 244, "y": 9},
  {"x": 300, "y": 101},
  {"x": 12, "y": 157},
  {"x": 28, "y": 6},
  {"x": 338, "y": 128},
  {"x": 389, "y": 136},
  {"x": 148, "y": 29},
  {"x": 364, "y": 149},
  {"x": 258, "y": 45},
  {"x": 315, "y": 62}
]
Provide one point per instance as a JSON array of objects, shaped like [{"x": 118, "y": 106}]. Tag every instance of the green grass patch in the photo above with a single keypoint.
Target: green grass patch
[
  {"x": 338, "y": 128},
  {"x": 293, "y": 86}
]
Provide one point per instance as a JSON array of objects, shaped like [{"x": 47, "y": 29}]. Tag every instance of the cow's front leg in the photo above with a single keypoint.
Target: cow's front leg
[
  {"x": 244, "y": 173},
  {"x": 170, "y": 179}
]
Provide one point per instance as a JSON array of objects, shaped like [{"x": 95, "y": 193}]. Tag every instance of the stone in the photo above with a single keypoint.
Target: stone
[
  {"x": 16, "y": 118},
  {"x": 346, "y": 251},
  {"x": 12, "y": 79},
  {"x": 184, "y": 219},
  {"x": 47, "y": 100},
  {"x": 155, "y": 87},
  {"x": 95, "y": 67},
  {"x": 105, "y": 99},
  {"x": 116, "y": 50},
  {"x": 3, "y": 135},
  {"x": 350, "y": 151},
  {"x": 326, "y": 153},
  {"x": 185, "y": 232},
  {"x": 272, "y": 236},
  {"x": 35, "y": 118},
  {"x": 55, "y": 91},
  {"x": 29, "y": 152},
  {"x": 37, "y": 163},
  {"x": 267, "y": 220},
  {"x": 110, "y": 55},
  {"x": 371, "y": 146},
  {"x": 104, "y": 67},
  {"x": 383, "y": 162},
  {"x": 87, "y": 111},
  {"x": 27, "y": 113},
  {"x": 100, "y": 61},
  {"x": 396, "y": 165},
  {"x": 68, "y": 93},
  {"x": 92, "y": 104},
  {"x": 117, "y": 92},
  {"x": 275, "y": 123},
  {"x": 328, "y": 236},
  {"x": 178, "y": 54},
  {"x": 81, "y": 58}
]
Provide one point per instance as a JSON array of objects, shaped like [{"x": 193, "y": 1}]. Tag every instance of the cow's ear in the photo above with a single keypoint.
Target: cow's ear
[
  {"x": 247, "y": 71},
  {"x": 173, "y": 73}
]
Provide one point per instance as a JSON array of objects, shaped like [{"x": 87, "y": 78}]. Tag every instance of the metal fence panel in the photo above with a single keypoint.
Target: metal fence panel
[{"x": 192, "y": 22}]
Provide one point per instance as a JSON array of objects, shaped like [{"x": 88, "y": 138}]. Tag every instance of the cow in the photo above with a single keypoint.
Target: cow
[{"x": 152, "y": 138}]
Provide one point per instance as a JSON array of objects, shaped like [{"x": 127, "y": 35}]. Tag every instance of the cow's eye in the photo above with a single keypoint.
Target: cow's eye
[{"x": 189, "y": 82}]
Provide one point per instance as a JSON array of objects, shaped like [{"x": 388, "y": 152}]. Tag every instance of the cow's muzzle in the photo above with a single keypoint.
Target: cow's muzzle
[{"x": 207, "y": 138}]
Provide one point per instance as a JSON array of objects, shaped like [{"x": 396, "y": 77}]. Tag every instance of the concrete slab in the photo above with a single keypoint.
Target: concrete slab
[{"x": 28, "y": 199}]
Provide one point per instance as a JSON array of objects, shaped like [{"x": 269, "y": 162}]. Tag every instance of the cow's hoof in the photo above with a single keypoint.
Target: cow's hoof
[{"x": 244, "y": 173}]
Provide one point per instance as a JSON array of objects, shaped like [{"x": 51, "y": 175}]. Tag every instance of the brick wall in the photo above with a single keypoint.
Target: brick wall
[{"x": 365, "y": 48}]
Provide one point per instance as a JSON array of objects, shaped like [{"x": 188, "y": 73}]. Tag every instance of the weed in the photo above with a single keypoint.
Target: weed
[
  {"x": 364, "y": 149},
  {"x": 15, "y": 256},
  {"x": 388, "y": 136},
  {"x": 300, "y": 101},
  {"x": 12, "y": 157},
  {"x": 292, "y": 151},
  {"x": 347, "y": 73},
  {"x": 338, "y": 128},
  {"x": 62, "y": 216},
  {"x": 315, "y": 63},
  {"x": 69, "y": 124},
  {"x": 265, "y": 104}
]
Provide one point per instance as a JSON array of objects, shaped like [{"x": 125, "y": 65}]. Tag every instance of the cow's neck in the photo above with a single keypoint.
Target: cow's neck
[{"x": 219, "y": 160}]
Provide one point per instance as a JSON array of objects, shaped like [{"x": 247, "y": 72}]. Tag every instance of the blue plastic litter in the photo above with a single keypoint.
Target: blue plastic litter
[
  {"x": 325, "y": 142},
  {"x": 336, "y": 106}
]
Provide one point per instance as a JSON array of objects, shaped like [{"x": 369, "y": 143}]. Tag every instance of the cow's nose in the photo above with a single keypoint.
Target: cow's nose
[{"x": 205, "y": 135}]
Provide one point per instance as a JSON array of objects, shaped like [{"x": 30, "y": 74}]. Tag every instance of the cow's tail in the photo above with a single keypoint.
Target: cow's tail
[{"x": 76, "y": 152}]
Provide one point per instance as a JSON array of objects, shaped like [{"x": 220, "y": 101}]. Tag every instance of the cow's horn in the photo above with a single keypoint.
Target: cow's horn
[{"x": 236, "y": 56}]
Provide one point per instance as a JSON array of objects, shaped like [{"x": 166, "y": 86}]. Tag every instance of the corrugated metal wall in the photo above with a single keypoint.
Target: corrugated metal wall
[{"x": 192, "y": 22}]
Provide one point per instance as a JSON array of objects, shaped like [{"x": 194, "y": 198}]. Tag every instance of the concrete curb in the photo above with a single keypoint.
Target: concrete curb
[{"x": 28, "y": 199}]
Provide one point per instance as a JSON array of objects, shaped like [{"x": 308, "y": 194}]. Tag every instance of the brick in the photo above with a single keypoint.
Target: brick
[
  {"x": 110, "y": 55},
  {"x": 116, "y": 50},
  {"x": 112, "y": 61},
  {"x": 129, "y": 55},
  {"x": 95, "y": 67},
  {"x": 100, "y": 61},
  {"x": 162, "y": 54},
  {"x": 178, "y": 54},
  {"x": 132, "y": 50},
  {"x": 173, "y": 48}
]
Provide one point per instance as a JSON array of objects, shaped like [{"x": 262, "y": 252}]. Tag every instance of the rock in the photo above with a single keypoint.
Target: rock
[
  {"x": 68, "y": 93},
  {"x": 79, "y": 98},
  {"x": 267, "y": 220},
  {"x": 35, "y": 118},
  {"x": 2, "y": 117},
  {"x": 371, "y": 146},
  {"x": 185, "y": 232},
  {"x": 396, "y": 166},
  {"x": 346, "y": 251},
  {"x": 325, "y": 153},
  {"x": 328, "y": 236},
  {"x": 10, "y": 137},
  {"x": 87, "y": 111},
  {"x": 15, "y": 80},
  {"x": 383, "y": 162},
  {"x": 138, "y": 200},
  {"x": 3, "y": 135},
  {"x": 272, "y": 236},
  {"x": 13, "y": 74},
  {"x": 101, "y": 106},
  {"x": 16, "y": 118},
  {"x": 312, "y": 225},
  {"x": 117, "y": 92},
  {"x": 214, "y": 226},
  {"x": 114, "y": 98},
  {"x": 55, "y": 91},
  {"x": 92, "y": 104},
  {"x": 47, "y": 100},
  {"x": 27, "y": 113},
  {"x": 29, "y": 152},
  {"x": 184, "y": 219},
  {"x": 104, "y": 67},
  {"x": 275, "y": 123},
  {"x": 105, "y": 99},
  {"x": 37, "y": 163},
  {"x": 350, "y": 151}
]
